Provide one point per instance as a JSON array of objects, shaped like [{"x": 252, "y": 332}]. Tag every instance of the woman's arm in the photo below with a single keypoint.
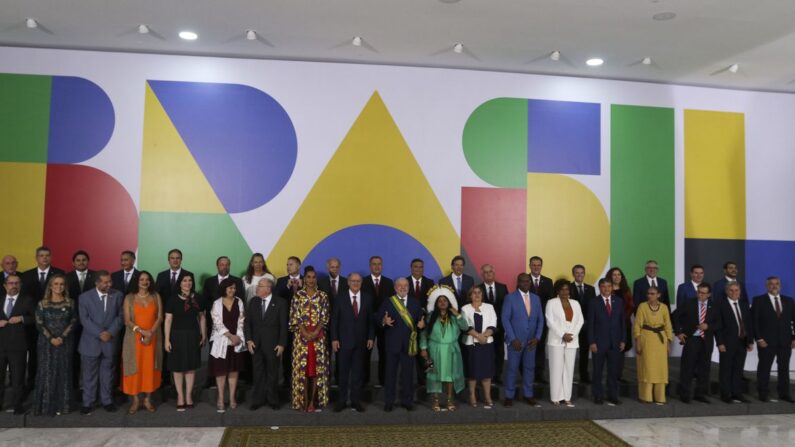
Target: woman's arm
[{"x": 72, "y": 321}]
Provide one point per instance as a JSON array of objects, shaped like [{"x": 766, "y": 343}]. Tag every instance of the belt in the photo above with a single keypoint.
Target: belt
[{"x": 657, "y": 330}]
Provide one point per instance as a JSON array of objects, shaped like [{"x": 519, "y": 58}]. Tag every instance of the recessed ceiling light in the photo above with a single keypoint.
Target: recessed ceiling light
[
  {"x": 449, "y": 1},
  {"x": 734, "y": 68},
  {"x": 555, "y": 55},
  {"x": 594, "y": 62},
  {"x": 662, "y": 16},
  {"x": 251, "y": 34},
  {"x": 31, "y": 23},
  {"x": 188, "y": 35},
  {"x": 458, "y": 48},
  {"x": 646, "y": 61},
  {"x": 143, "y": 29},
  {"x": 357, "y": 41}
]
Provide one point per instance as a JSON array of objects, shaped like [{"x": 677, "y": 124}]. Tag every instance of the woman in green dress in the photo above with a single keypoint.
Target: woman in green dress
[
  {"x": 653, "y": 334},
  {"x": 439, "y": 342}
]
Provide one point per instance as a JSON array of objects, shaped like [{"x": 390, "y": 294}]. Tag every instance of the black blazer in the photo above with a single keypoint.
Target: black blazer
[
  {"x": 324, "y": 284},
  {"x": 282, "y": 288},
  {"x": 425, "y": 285},
  {"x": 545, "y": 291},
  {"x": 14, "y": 337},
  {"x": 728, "y": 332},
  {"x": 117, "y": 278},
  {"x": 268, "y": 332},
  {"x": 386, "y": 288},
  {"x": 777, "y": 332},
  {"x": 30, "y": 282},
  {"x": 686, "y": 320},
  {"x": 352, "y": 331},
  {"x": 210, "y": 290},
  {"x": 589, "y": 293},
  {"x": 641, "y": 286},
  {"x": 73, "y": 283},
  {"x": 163, "y": 284},
  {"x": 500, "y": 291},
  {"x": 467, "y": 282}
]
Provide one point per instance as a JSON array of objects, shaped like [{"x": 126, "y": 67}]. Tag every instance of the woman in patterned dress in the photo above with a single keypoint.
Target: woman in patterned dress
[{"x": 309, "y": 317}]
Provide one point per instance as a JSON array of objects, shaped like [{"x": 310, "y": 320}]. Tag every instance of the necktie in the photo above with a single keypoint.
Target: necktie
[
  {"x": 581, "y": 291},
  {"x": 653, "y": 282},
  {"x": 417, "y": 288},
  {"x": 104, "y": 302},
  {"x": 609, "y": 307},
  {"x": 126, "y": 279},
  {"x": 334, "y": 286},
  {"x": 458, "y": 285},
  {"x": 355, "y": 307},
  {"x": 376, "y": 282},
  {"x": 264, "y": 308},
  {"x": 702, "y": 316},
  {"x": 42, "y": 278},
  {"x": 294, "y": 285},
  {"x": 82, "y": 279},
  {"x": 739, "y": 320},
  {"x": 491, "y": 294},
  {"x": 173, "y": 279},
  {"x": 9, "y": 306},
  {"x": 526, "y": 298},
  {"x": 535, "y": 281},
  {"x": 778, "y": 308}
]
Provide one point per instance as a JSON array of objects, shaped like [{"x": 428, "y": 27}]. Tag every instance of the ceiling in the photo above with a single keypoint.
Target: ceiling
[{"x": 696, "y": 47}]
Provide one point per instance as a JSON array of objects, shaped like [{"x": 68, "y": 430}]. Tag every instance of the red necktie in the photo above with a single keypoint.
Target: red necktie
[
  {"x": 417, "y": 289},
  {"x": 609, "y": 307},
  {"x": 778, "y": 308},
  {"x": 702, "y": 316},
  {"x": 376, "y": 287},
  {"x": 536, "y": 285},
  {"x": 355, "y": 307}
]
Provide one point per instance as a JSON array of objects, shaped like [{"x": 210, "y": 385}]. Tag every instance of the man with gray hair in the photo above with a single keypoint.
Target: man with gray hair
[{"x": 265, "y": 330}]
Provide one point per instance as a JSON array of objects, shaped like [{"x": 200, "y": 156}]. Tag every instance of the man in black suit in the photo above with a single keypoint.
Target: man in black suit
[
  {"x": 124, "y": 279},
  {"x": 16, "y": 315},
  {"x": 352, "y": 335},
  {"x": 419, "y": 284},
  {"x": 9, "y": 265},
  {"x": 695, "y": 324},
  {"x": 641, "y": 285},
  {"x": 494, "y": 293},
  {"x": 606, "y": 340},
  {"x": 774, "y": 317},
  {"x": 730, "y": 275},
  {"x": 583, "y": 294},
  {"x": 167, "y": 282},
  {"x": 458, "y": 280},
  {"x": 543, "y": 287},
  {"x": 34, "y": 284},
  {"x": 380, "y": 288},
  {"x": 266, "y": 334},
  {"x": 286, "y": 287},
  {"x": 734, "y": 337},
  {"x": 335, "y": 283}
]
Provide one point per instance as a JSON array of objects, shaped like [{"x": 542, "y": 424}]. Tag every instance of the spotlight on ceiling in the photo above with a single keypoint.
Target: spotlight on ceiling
[
  {"x": 31, "y": 23},
  {"x": 646, "y": 61},
  {"x": 555, "y": 55},
  {"x": 663, "y": 16},
  {"x": 188, "y": 35},
  {"x": 143, "y": 29},
  {"x": 458, "y": 48},
  {"x": 594, "y": 62},
  {"x": 734, "y": 68},
  {"x": 357, "y": 41},
  {"x": 251, "y": 34}
]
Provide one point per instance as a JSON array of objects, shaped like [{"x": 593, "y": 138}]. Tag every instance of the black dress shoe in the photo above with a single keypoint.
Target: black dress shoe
[
  {"x": 110, "y": 408},
  {"x": 787, "y": 399},
  {"x": 255, "y": 407},
  {"x": 727, "y": 400},
  {"x": 85, "y": 411},
  {"x": 532, "y": 402},
  {"x": 388, "y": 408},
  {"x": 409, "y": 407},
  {"x": 702, "y": 399},
  {"x": 685, "y": 400},
  {"x": 614, "y": 401},
  {"x": 19, "y": 410},
  {"x": 276, "y": 407},
  {"x": 339, "y": 407},
  {"x": 599, "y": 401},
  {"x": 358, "y": 407},
  {"x": 764, "y": 399},
  {"x": 742, "y": 399}
]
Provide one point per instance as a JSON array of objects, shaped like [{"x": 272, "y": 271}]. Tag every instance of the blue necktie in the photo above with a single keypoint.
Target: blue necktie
[
  {"x": 9, "y": 307},
  {"x": 458, "y": 285}
]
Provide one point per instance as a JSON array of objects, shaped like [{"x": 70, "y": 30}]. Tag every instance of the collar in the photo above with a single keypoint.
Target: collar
[
  {"x": 102, "y": 293},
  {"x": 375, "y": 277},
  {"x": 772, "y": 297},
  {"x": 606, "y": 297},
  {"x": 12, "y": 297},
  {"x": 489, "y": 285},
  {"x": 45, "y": 271},
  {"x": 177, "y": 271},
  {"x": 457, "y": 276},
  {"x": 129, "y": 271},
  {"x": 294, "y": 276},
  {"x": 351, "y": 293},
  {"x": 266, "y": 298},
  {"x": 536, "y": 278},
  {"x": 649, "y": 278},
  {"x": 221, "y": 278}
]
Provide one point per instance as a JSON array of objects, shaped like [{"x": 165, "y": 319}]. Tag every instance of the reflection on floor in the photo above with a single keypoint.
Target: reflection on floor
[{"x": 111, "y": 437}]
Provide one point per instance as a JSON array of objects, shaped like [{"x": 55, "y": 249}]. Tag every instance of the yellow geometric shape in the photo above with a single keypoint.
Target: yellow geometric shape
[
  {"x": 23, "y": 196},
  {"x": 714, "y": 175},
  {"x": 373, "y": 178},
  {"x": 566, "y": 225},
  {"x": 171, "y": 180}
]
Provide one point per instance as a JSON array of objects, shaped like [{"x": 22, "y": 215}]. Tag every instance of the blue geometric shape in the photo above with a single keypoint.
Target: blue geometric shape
[
  {"x": 354, "y": 246},
  {"x": 242, "y": 139},
  {"x": 81, "y": 120},
  {"x": 563, "y": 137},
  {"x": 769, "y": 258}
]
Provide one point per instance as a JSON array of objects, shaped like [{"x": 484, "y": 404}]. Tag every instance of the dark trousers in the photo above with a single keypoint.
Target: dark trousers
[
  {"x": 611, "y": 357},
  {"x": 14, "y": 360},
  {"x": 766, "y": 355},
  {"x": 541, "y": 357},
  {"x": 695, "y": 364},
  {"x": 499, "y": 354},
  {"x": 584, "y": 351},
  {"x": 351, "y": 375},
  {"x": 97, "y": 372},
  {"x": 30, "y": 380},
  {"x": 287, "y": 362},
  {"x": 731, "y": 370},
  {"x": 265, "y": 377},
  {"x": 380, "y": 342},
  {"x": 402, "y": 360}
]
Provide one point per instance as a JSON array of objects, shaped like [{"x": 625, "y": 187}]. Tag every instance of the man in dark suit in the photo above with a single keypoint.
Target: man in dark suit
[
  {"x": 494, "y": 293},
  {"x": 458, "y": 280},
  {"x": 583, "y": 294},
  {"x": 34, "y": 284},
  {"x": 695, "y": 324},
  {"x": 9, "y": 265},
  {"x": 335, "y": 283},
  {"x": 542, "y": 286},
  {"x": 380, "y": 288},
  {"x": 400, "y": 317},
  {"x": 286, "y": 287},
  {"x": 266, "y": 334},
  {"x": 734, "y": 337},
  {"x": 689, "y": 289},
  {"x": 16, "y": 315},
  {"x": 101, "y": 317},
  {"x": 606, "y": 338},
  {"x": 641, "y": 285},
  {"x": 352, "y": 334},
  {"x": 124, "y": 279},
  {"x": 419, "y": 284},
  {"x": 730, "y": 273},
  {"x": 774, "y": 318},
  {"x": 167, "y": 282},
  {"x": 78, "y": 281}
]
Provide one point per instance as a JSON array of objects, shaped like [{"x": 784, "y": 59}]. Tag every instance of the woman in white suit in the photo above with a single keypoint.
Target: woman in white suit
[{"x": 564, "y": 320}]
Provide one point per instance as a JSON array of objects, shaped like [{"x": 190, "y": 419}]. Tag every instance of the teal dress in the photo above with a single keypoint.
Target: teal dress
[{"x": 441, "y": 342}]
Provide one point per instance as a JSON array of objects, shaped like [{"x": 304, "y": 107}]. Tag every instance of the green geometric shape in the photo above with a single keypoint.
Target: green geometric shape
[
  {"x": 495, "y": 142},
  {"x": 642, "y": 220},
  {"x": 201, "y": 237},
  {"x": 24, "y": 117}
]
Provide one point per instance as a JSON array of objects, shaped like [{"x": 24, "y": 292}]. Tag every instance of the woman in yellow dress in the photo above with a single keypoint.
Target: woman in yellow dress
[{"x": 653, "y": 334}]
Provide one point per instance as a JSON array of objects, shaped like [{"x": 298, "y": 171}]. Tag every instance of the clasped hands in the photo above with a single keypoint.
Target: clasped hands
[
  {"x": 531, "y": 344},
  {"x": 12, "y": 320}
]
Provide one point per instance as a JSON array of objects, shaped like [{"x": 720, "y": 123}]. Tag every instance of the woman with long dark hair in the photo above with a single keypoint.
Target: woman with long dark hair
[
  {"x": 256, "y": 270},
  {"x": 621, "y": 289}
]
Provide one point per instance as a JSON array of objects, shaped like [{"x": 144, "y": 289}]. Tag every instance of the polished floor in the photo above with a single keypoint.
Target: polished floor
[{"x": 728, "y": 431}]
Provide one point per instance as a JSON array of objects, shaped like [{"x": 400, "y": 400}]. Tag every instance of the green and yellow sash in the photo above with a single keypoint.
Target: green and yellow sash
[{"x": 406, "y": 316}]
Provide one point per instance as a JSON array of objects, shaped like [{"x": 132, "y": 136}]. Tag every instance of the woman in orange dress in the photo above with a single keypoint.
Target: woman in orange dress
[{"x": 142, "y": 352}]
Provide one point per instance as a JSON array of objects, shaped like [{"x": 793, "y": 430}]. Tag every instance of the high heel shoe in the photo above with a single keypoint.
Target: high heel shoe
[
  {"x": 435, "y": 403},
  {"x": 219, "y": 408},
  {"x": 450, "y": 402},
  {"x": 148, "y": 405},
  {"x": 134, "y": 407}
]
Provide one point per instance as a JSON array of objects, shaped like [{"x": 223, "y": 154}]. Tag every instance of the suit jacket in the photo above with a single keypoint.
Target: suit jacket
[
  {"x": 210, "y": 290},
  {"x": 425, "y": 285},
  {"x": 352, "y": 331},
  {"x": 95, "y": 319},
  {"x": 73, "y": 283},
  {"x": 324, "y": 284},
  {"x": 558, "y": 325},
  {"x": 117, "y": 278},
  {"x": 282, "y": 288},
  {"x": 516, "y": 323},
  {"x": 641, "y": 286},
  {"x": 163, "y": 284},
  {"x": 467, "y": 282},
  {"x": 605, "y": 330},
  {"x": 777, "y": 332},
  {"x": 545, "y": 291},
  {"x": 685, "y": 320},
  {"x": 14, "y": 337},
  {"x": 728, "y": 332},
  {"x": 396, "y": 337},
  {"x": 30, "y": 282},
  {"x": 719, "y": 290},
  {"x": 386, "y": 288},
  {"x": 270, "y": 331},
  {"x": 500, "y": 292},
  {"x": 586, "y": 301},
  {"x": 685, "y": 292}
]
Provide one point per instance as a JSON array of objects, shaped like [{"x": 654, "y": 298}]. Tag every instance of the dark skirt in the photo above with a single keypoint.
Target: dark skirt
[
  {"x": 234, "y": 362},
  {"x": 479, "y": 361},
  {"x": 185, "y": 352}
]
